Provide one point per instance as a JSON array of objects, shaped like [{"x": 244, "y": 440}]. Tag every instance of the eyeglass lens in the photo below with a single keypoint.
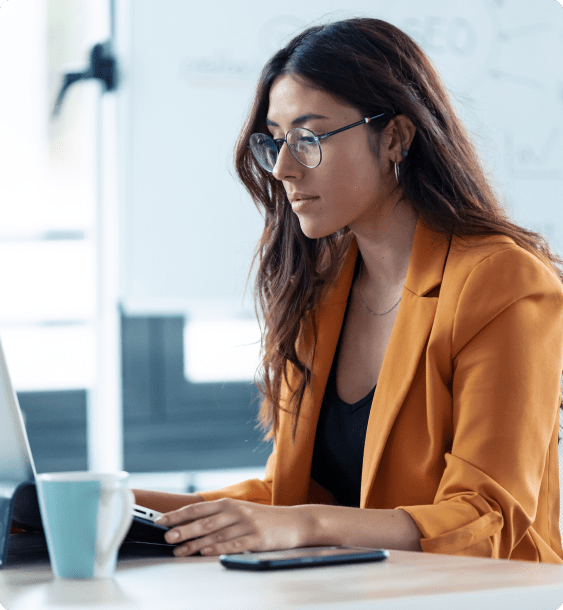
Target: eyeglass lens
[{"x": 301, "y": 142}]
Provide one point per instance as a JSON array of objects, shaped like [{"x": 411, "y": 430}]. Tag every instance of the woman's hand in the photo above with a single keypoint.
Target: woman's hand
[{"x": 233, "y": 526}]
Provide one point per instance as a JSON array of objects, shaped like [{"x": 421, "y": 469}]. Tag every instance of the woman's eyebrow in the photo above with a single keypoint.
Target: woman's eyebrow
[{"x": 299, "y": 120}]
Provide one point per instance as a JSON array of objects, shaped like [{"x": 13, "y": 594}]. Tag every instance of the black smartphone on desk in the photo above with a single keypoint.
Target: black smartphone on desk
[{"x": 307, "y": 557}]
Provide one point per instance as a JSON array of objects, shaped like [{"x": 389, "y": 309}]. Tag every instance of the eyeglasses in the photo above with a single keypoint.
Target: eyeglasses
[{"x": 303, "y": 144}]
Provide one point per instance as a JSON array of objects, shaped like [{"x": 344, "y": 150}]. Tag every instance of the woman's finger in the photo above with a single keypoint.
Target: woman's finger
[
  {"x": 227, "y": 534},
  {"x": 240, "y": 544},
  {"x": 189, "y": 513},
  {"x": 201, "y": 527}
]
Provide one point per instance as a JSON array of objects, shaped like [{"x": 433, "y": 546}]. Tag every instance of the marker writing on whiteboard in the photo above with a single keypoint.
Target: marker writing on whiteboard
[{"x": 2, "y": 3}]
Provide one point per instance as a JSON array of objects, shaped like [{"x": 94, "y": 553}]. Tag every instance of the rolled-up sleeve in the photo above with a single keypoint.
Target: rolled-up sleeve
[{"x": 507, "y": 354}]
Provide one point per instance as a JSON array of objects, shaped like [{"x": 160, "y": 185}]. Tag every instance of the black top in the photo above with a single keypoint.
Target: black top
[{"x": 339, "y": 443}]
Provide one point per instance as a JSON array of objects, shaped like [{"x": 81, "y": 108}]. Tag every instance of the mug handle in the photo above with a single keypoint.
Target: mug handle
[{"x": 102, "y": 555}]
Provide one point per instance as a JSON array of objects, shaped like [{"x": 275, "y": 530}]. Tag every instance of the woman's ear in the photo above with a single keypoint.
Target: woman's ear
[{"x": 399, "y": 134}]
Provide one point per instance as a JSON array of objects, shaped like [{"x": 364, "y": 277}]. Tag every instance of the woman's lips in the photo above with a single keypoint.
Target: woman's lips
[{"x": 298, "y": 204}]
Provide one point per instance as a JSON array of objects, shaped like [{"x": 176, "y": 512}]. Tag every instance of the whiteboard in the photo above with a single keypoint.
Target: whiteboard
[{"x": 188, "y": 229}]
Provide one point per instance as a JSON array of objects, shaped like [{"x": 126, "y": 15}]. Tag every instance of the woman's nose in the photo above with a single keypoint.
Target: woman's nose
[{"x": 287, "y": 166}]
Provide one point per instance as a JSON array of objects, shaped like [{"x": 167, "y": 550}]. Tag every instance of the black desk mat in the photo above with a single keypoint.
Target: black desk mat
[{"x": 27, "y": 547}]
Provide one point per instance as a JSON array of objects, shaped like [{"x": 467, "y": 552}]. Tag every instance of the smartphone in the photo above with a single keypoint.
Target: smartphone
[
  {"x": 302, "y": 558},
  {"x": 144, "y": 529},
  {"x": 145, "y": 513}
]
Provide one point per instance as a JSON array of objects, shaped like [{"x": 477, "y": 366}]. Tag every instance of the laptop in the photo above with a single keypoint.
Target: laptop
[{"x": 18, "y": 496}]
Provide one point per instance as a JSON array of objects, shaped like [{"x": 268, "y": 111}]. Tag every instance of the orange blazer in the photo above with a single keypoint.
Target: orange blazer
[{"x": 463, "y": 427}]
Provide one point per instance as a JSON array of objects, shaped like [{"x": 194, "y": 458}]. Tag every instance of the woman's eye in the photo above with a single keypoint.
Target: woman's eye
[{"x": 305, "y": 141}]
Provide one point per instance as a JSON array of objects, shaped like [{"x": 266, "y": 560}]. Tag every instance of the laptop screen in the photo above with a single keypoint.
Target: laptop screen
[{"x": 16, "y": 463}]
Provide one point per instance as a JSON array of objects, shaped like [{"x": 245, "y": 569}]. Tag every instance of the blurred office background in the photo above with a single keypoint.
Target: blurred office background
[{"x": 125, "y": 239}]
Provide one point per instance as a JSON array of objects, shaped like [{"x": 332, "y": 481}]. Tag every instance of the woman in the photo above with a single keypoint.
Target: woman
[{"x": 413, "y": 341}]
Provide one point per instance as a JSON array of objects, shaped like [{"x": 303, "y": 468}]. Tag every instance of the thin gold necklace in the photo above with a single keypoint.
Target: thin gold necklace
[{"x": 365, "y": 304}]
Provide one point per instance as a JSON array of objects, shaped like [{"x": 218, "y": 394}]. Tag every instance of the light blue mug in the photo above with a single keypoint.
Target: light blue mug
[{"x": 86, "y": 516}]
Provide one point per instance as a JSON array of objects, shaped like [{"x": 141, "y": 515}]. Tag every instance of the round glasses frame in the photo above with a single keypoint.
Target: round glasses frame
[{"x": 257, "y": 140}]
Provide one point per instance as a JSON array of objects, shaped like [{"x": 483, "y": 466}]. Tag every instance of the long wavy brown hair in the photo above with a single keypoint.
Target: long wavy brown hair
[{"x": 375, "y": 67}]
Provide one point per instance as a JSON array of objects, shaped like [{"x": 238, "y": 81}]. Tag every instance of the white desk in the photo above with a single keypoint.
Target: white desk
[{"x": 406, "y": 580}]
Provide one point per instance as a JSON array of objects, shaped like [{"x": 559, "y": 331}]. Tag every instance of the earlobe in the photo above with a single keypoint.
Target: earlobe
[
  {"x": 401, "y": 133},
  {"x": 397, "y": 162},
  {"x": 405, "y": 133}
]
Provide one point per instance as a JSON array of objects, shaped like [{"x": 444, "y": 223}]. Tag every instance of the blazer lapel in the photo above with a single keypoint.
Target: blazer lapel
[
  {"x": 412, "y": 326},
  {"x": 408, "y": 338}
]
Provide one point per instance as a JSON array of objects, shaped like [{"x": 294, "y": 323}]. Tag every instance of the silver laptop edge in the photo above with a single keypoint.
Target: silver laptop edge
[{"x": 16, "y": 461}]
